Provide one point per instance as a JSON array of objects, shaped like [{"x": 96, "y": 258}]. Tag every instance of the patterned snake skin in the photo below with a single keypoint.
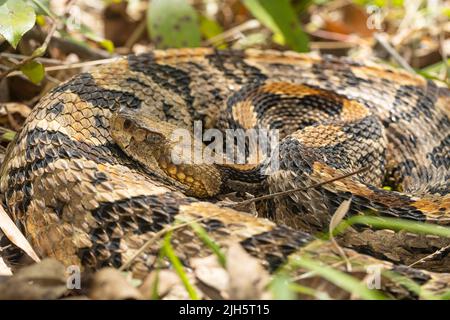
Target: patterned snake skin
[{"x": 90, "y": 187}]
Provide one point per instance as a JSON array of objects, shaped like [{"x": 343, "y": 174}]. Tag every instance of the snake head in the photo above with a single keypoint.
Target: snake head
[
  {"x": 127, "y": 126},
  {"x": 152, "y": 143}
]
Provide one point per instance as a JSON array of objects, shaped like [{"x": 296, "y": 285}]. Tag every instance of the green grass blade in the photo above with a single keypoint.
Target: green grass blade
[
  {"x": 280, "y": 287},
  {"x": 176, "y": 263},
  {"x": 340, "y": 279},
  {"x": 409, "y": 284},
  {"x": 210, "y": 243},
  {"x": 445, "y": 296},
  {"x": 283, "y": 288},
  {"x": 400, "y": 224}
]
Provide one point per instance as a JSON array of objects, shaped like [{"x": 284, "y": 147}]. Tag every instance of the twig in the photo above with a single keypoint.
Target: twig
[
  {"x": 430, "y": 256},
  {"x": 283, "y": 193},
  {"x": 233, "y": 32},
  {"x": 387, "y": 46},
  {"x": 353, "y": 39},
  {"x": 21, "y": 56},
  {"x": 74, "y": 65},
  {"x": 137, "y": 33}
]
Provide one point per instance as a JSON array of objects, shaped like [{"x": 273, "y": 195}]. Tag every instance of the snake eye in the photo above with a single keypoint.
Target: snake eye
[{"x": 127, "y": 124}]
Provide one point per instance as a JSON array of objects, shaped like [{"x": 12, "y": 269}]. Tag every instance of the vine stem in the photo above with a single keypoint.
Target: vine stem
[{"x": 290, "y": 191}]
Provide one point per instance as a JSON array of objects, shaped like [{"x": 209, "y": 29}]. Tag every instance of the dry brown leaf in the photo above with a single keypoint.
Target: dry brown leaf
[
  {"x": 210, "y": 273},
  {"x": 20, "y": 108},
  {"x": 337, "y": 217},
  {"x": 44, "y": 280},
  {"x": 4, "y": 269},
  {"x": 15, "y": 236},
  {"x": 339, "y": 214},
  {"x": 248, "y": 279},
  {"x": 350, "y": 19},
  {"x": 14, "y": 113},
  {"x": 169, "y": 285},
  {"x": 111, "y": 284},
  {"x": 167, "y": 279}
]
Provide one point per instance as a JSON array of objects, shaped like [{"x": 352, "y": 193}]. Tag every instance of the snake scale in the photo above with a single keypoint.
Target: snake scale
[{"x": 89, "y": 180}]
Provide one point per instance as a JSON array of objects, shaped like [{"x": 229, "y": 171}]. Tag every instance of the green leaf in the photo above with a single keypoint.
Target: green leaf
[
  {"x": 280, "y": 287},
  {"x": 16, "y": 18},
  {"x": 173, "y": 24},
  {"x": 40, "y": 20},
  {"x": 209, "y": 27},
  {"x": 34, "y": 71},
  {"x": 280, "y": 17},
  {"x": 107, "y": 44}
]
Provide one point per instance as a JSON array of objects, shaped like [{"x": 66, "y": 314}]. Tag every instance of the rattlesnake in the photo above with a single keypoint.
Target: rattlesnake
[{"x": 89, "y": 180}]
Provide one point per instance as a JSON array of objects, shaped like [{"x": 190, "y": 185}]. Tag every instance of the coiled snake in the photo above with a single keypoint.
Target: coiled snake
[{"x": 89, "y": 177}]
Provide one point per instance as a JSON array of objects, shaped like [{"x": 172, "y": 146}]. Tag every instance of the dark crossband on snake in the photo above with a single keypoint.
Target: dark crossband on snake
[{"x": 89, "y": 178}]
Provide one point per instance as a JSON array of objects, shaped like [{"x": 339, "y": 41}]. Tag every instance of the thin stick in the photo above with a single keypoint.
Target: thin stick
[
  {"x": 430, "y": 256},
  {"x": 74, "y": 65},
  {"x": 283, "y": 193},
  {"x": 21, "y": 56},
  {"x": 233, "y": 32},
  {"x": 397, "y": 57},
  {"x": 137, "y": 33}
]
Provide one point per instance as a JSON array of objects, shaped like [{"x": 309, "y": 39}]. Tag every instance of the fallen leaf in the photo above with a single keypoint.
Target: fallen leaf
[
  {"x": 44, "y": 280},
  {"x": 167, "y": 279},
  {"x": 111, "y": 284},
  {"x": 248, "y": 279},
  {"x": 4, "y": 269},
  {"x": 34, "y": 71},
  {"x": 337, "y": 217},
  {"x": 15, "y": 236},
  {"x": 210, "y": 273},
  {"x": 169, "y": 286},
  {"x": 339, "y": 214},
  {"x": 12, "y": 115},
  {"x": 350, "y": 19}
]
